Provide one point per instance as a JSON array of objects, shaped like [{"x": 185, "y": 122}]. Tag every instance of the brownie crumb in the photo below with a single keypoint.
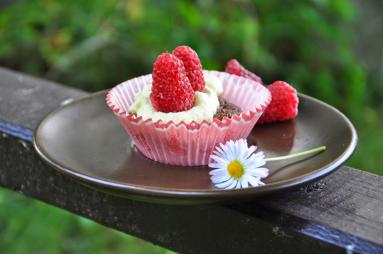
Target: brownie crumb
[{"x": 226, "y": 109}]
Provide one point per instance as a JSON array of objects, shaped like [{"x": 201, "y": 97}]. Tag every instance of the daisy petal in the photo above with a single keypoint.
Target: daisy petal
[
  {"x": 217, "y": 165},
  {"x": 254, "y": 181},
  {"x": 254, "y": 163},
  {"x": 219, "y": 150},
  {"x": 225, "y": 184},
  {"x": 218, "y": 153},
  {"x": 250, "y": 151},
  {"x": 244, "y": 182},
  {"x": 224, "y": 148},
  {"x": 243, "y": 150},
  {"x": 220, "y": 179},
  {"x": 232, "y": 185},
  {"x": 218, "y": 159},
  {"x": 220, "y": 174},
  {"x": 259, "y": 172},
  {"x": 259, "y": 156},
  {"x": 216, "y": 171}
]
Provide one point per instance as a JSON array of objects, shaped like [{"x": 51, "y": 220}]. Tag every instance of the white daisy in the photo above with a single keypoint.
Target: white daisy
[{"x": 237, "y": 166}]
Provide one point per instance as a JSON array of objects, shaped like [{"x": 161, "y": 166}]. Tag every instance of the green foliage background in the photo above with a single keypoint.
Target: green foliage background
[
  {"x": 32, "y": 227},
  {"x": 96, "y": 44}
]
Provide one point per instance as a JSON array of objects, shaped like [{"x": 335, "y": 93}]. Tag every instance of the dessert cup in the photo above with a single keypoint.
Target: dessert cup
[{"x": 189, "y": 144}]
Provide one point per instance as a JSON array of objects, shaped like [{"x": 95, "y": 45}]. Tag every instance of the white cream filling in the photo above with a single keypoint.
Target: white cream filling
[{"x": 205, "y": 106}]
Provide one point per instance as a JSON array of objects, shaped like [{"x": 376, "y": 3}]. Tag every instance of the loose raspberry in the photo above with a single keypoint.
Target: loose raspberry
[
  {"x": 234, "y": 67},
  {"x": 171, "y": 89},
  {"x": 284, "y": 103},
  {"x": 192, "y": 65}
]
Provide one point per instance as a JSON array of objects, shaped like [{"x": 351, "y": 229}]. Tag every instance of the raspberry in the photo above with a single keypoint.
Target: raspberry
[
  {"x": 192, "y": 65},
  {"x": 234, "y": 67},
  {"x": 171, "y": 89},
  {"x": 284, "y": 103}
]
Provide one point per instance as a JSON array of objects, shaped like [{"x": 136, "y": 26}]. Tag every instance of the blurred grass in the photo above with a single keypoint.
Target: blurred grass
[
  {"x": 33, "y": 227},
  {"x": 94, "y": 45},
  {"x": 368, "y": 152}
]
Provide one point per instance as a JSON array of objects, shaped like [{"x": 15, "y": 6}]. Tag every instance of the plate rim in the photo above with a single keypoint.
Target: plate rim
[{"x": 132, "y": 189}]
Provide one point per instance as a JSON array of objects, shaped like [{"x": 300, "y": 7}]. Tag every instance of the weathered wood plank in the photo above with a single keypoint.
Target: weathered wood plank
[
  {"x": 342, "y": 211},
  {"x": 349, "y": 200},
  {"x": 24, "y": 100}
]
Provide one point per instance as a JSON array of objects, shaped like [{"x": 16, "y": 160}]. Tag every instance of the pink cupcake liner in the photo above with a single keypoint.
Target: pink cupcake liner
[{"x": 189, "y": 144}]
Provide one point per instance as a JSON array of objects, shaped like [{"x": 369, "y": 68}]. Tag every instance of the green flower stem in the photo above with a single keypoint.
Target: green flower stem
[{"x": 315, "y": 150}]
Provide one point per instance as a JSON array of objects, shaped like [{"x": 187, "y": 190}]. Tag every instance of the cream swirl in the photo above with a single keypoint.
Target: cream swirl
[{"x": 205, "y": 105}]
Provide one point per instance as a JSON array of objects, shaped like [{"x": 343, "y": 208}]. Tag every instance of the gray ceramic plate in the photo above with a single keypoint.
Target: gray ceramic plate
[{"x": 83, "y": 139}]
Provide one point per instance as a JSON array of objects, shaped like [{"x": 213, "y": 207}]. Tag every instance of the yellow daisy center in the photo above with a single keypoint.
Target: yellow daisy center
[{"x": 235, "y": 169}]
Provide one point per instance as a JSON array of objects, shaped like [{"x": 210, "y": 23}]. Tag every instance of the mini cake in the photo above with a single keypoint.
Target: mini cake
[{"x": 180, "y": 113}]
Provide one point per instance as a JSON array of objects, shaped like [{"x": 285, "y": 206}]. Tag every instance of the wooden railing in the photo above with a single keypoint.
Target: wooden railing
[{"x": 342, "y": 213}]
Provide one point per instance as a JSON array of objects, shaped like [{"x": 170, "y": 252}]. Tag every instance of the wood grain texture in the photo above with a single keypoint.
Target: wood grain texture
[
  {"x": 343, "y": 211},
  {"x": 349, "y": 200},
  {"x": 24, "y": 100}
]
